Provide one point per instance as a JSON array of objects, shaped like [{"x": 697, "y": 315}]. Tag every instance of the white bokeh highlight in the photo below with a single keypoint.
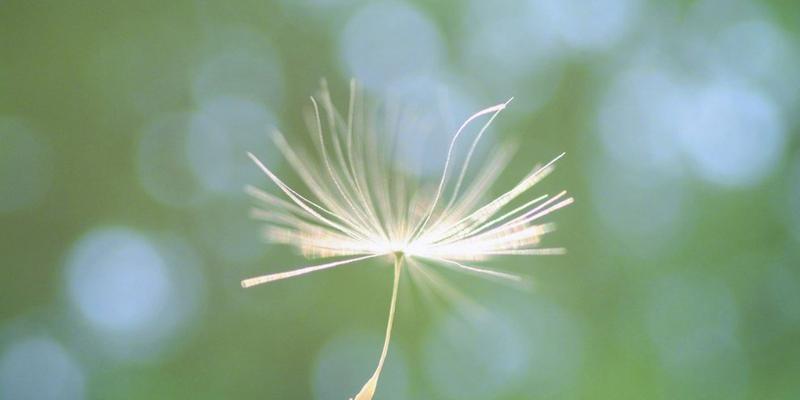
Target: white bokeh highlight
[
  {"x": 222, "y": 130},
  {"x": 39, "y": 368},
  {"x": 712, "y": 100},
  {"x": 588, "y": 26},
  {"x": 733, "y": 134},
  {"x": 718, "y": 128},
  {"x": 133, "y": 292},
  {"x": 388, "y": 40},
  {"x": 760, "y": 50},
  {"x": 743, "y": 38},
  {"x": 482, "y": 358},
  {"x": 505, "y": 47},
  {"x": 635, "y": 119},
  {"x": 239, "y": 61},
  {"x": 118, "y": 280},
  {"x": 554, "y": 338}
]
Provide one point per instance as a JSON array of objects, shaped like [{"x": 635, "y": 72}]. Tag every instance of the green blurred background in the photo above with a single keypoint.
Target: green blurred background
[{"x": 124, "y": 235}]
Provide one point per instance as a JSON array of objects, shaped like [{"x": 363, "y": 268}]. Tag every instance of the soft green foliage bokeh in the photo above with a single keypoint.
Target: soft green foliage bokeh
[{"x": 706, "y": 304}]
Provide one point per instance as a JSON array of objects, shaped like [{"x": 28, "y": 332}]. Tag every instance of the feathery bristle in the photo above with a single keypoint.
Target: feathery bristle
[{"x": 360, "y": 206}]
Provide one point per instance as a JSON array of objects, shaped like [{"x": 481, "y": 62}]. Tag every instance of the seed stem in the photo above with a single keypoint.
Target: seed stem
[{"x": 368, "y": 390}]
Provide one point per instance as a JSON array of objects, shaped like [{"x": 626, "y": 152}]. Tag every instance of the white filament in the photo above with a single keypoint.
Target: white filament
[{"x": 366, "y": 209}]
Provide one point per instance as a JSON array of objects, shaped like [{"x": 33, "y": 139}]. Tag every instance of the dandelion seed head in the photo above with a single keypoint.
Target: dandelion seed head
[{"x": 358, "y": 204}]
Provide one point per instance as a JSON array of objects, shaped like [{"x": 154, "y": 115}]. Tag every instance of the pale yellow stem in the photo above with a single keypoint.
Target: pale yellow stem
[{"x": 368, "y": 390}]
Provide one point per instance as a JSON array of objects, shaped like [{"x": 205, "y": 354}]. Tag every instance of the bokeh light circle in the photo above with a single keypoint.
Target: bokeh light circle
[
  {"x": 742, "y": 38},
  {"x": 475, "y": 359},
  {"x": 635, "y": 119},
  {"x": 553, "y": 342},
  {"x": 506, "y": 47},
  {"x": 388, "y": 40},
  {"x": 757, "y": 48},
  {"x": 593, "y": 25},
  {"x": 39, "y": 368},
  {"x": 221, "y": 133},
  {"x": 735, "y": 134},
  {"x": 133, "y": 292},
  {"x": 240, "y": 62},
  {"x": 118, "y": 280},
  {"x": 720, "y": 128}
]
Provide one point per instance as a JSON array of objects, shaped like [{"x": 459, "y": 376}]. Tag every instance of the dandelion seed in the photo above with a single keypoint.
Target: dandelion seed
[{"x": 359, "y": 206}]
